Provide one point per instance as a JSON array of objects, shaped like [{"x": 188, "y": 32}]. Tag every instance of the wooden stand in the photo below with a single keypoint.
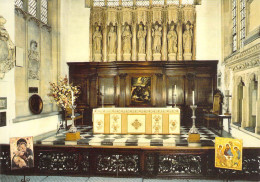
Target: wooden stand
[{"x": 72, "y": 136}]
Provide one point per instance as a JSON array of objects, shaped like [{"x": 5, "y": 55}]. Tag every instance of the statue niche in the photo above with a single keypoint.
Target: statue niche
[
  {"x": 34, "y": 61},
  {"x": 172, "y": 43},
  {"x": 187, "y": 42},
  {"x": 97, "y": 44},
  {"x": 127, "y": 43},
  {"x": 141, "y": 35},
  {"x": 112, "y": 44},
  {"x": 157, "y": 42}
]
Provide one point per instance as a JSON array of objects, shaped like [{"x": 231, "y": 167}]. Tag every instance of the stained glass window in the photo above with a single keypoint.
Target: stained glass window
[
  {"x": 112, "y": 2},
  {"x": 127, "y": 2},
  {"x": 158, "y": 2},
  {"x": 32, "y": 6},
  {"x": 187, "y": 1},
  {"x": 44, "y": 11},
  {"x": 142, "y": 2},
  {"x": 234, "y": 32},
  {"x": 99, "y": 3},
  {"x": 173, "y": 2},
  {"x": 19, "y": 3},
  {"x": 242, "y": 22}
]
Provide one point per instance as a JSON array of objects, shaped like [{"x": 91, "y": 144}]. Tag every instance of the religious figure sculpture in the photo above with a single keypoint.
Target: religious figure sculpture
[
  {"x": 34, "y": 62},
  {"x": 157, "y": 34},
  {"x": 141, "y": 39},
  {"x": 112, "y": 40},
  {"x": 187, "y": 42},
  {"x": 7, "y": 55},
  {"x": 172, "y": 40},
  {"x": 127, "y": 37},
  {"x": 97, "y": 39}
]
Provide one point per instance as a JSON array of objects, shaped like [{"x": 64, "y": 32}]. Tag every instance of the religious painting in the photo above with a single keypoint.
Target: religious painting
[
  {"x": 141, "y": 90},
  {"x": 3, "y": 102},
  {"x": 228, "y": 153},
  {"x": 21, "y": 151}
]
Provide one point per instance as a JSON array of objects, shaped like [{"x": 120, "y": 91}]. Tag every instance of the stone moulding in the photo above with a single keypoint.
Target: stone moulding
[{"x": 7, "y": 50}]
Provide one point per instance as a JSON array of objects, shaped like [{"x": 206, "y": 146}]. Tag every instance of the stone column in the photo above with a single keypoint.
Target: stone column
[
  {"x": 134, "y": 54},
  {"x": 104, "y": 51},
  {"x": 179, "y": 32},
  {"x": 257, "y": 129},
  {"x": 119, "y": 46},
  {"x": 244, "y": 106},
  {"x": 149, "y": 43},
  {"x": 234, "y": 102},
  {"x": 164, "y": 42}
]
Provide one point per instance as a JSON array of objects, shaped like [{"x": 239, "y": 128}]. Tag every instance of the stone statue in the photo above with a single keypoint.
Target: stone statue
[
  {"x": 7, "y": 50},
  {"x": 34, "y": 61},
  {"x": 112, "y": 40},
  {"x": 97, "y": 39},
  {"x": 157, "y": 34},
  {"x": 127, "y": 37},
  {"x": 172, "y": 40},
  {"x": 141, "y": 39},
  {"x": 187, "y": 39}
]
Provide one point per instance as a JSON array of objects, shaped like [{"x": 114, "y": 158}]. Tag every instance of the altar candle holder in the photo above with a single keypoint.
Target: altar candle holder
[
  {"x": 193, "y": 117},
  {"x": 73, "y": 128}
]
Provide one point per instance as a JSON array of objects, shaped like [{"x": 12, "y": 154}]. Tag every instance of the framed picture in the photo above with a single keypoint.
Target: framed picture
[
  {"x": 228, "y": 153},
  {"x": 21, "y": 151},
  {"x": 141, "y": 90},
  {"x": 3, "y": 102},
  {"x": 2, "y": 119}
]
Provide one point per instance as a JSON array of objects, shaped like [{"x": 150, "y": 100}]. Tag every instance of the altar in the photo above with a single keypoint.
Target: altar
[{"x": 136, "y": 121}]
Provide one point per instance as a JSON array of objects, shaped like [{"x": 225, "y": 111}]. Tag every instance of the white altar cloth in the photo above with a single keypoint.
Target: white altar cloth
[{"x": 136, "y": 120}]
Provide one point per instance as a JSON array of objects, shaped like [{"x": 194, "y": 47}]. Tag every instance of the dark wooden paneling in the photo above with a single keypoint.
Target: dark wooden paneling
[{"x": 186, "y": 75}]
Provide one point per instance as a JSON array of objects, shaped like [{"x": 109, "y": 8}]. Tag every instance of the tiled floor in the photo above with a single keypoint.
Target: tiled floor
[
  {"x": 8, "y": 178},
  {"x": 88, "y": 138}
]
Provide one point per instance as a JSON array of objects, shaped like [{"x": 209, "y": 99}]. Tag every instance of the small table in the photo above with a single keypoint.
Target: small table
[{"x": 221, "y": 117}]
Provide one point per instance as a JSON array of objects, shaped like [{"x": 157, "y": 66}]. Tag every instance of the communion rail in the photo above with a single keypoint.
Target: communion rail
[{"x": 152, "y": 162}]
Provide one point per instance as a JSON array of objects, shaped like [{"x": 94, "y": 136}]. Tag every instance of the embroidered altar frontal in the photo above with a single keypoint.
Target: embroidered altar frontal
[{"x": 136, "y": 120}]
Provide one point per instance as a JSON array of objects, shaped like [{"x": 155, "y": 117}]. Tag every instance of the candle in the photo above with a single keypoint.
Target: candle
[
  {"x": 103, "y": 90},
  {"x": 175, "y": 90},
  {"x": 72, "y": 97},
  {"x": 193, "y": 98}
]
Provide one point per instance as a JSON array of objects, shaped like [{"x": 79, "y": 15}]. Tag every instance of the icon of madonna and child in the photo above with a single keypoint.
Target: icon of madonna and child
[
  {"x": 21, "y": 150},
  {"x": 228, "y": 153}
]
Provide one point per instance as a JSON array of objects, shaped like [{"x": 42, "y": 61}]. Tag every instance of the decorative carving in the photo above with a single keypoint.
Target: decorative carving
[
  {"x": 112, "y": 40},
  {"x": 247, "y": 64},
  {"x": 136, "y": 124},
  {"x": 97, "y": 40},
  {"x": 127, "y": 39},
  {"x": 7, "y": 55},
  {"x": 119, "y": 164},
  {"x": 157, "y": 36},
  {"x": 127, "y": 16},
  {"x": 97, "y": 16},
  {"x": 112, "y": 17},
  {"x": 58, "y": 161},
  {"x": 173, "y": 13},
  {"x": 142, "y": 16},
  {"x": 172, "y": 40},
  {"x": 188, "y": 12},
  {"x": 187, "y": 42},
  {"x": 34, "y": 61},
  {"x": 180, "y": 164},
  {"x": 141, "y": 38},
  {"x": 157, "y": 15},
  {"x": 150, "y": 164}
]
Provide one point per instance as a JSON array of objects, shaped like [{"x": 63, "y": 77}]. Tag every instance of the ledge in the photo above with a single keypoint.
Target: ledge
[
  {"x": 32, "y": 117},
  {"x": 245, "y": 131}
]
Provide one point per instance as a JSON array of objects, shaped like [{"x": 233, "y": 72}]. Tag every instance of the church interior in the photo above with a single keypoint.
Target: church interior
[{"x": 129, "y": 90}]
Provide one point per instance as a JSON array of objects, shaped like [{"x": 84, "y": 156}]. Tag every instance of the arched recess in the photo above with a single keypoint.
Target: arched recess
[
  {"x": 240, "y": 95},
  {"x": 253, "y": 90}
]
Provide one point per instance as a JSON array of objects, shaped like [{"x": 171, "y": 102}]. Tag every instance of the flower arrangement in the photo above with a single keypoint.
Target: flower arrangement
[{"x": 63, "y": 93}]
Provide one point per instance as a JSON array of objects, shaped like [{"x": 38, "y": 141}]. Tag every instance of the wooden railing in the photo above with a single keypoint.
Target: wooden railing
[{"x": 178, "y": 162}]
